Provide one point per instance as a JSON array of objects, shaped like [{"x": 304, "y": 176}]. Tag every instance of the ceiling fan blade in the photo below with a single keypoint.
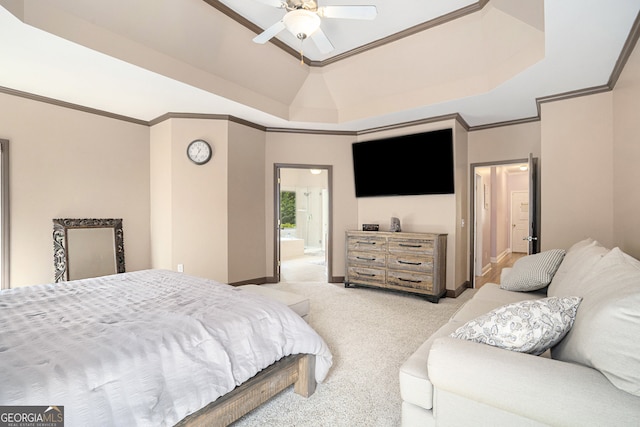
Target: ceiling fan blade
[
  {"x": 348, "y": 12},
  {"x": 321, "y": 41},
  {"x": 270, "y": 32},
  {"x": 275, "y": 3}
]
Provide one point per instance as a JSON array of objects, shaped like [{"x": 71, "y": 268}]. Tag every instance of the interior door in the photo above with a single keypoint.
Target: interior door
[
  {"x": 519, "y": 221},
  {"x": 534, "y": 218},
  {"x": 278, "y": 223}
]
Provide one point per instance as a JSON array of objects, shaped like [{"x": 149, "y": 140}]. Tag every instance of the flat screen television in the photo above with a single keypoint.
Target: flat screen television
[{"x": 405, "y": 165}]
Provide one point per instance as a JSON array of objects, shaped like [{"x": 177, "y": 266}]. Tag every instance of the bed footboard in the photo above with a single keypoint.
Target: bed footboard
[{"x": 298, "y": 369}]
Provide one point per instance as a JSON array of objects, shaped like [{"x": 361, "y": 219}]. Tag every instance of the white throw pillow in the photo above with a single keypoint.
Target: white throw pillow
[
  {"x": 531, "y": 326},
  {"x": 606, "y": 334},
  {"x": 579, "y": 260},
  {"x": 533, "y": 272}
]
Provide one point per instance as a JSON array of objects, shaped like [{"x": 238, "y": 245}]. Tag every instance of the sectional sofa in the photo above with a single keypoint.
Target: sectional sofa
[{"x": 556, "y": 343}]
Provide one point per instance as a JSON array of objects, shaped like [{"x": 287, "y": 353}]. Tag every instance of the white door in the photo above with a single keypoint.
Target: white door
[{"x": 519, "y": 221}]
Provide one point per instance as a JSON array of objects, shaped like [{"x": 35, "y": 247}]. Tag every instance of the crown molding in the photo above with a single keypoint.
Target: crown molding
[
  {"x": 70, "y": 105},
  {"x": 631, "y": 42}
]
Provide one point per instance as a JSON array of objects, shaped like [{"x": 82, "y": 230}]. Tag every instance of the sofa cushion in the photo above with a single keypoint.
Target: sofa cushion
[
  {"x": 579, "y": 260},
  {"x": 493, "y": 292},
  {"x": 607, "y": 327},
  {"x": 531, "y": 326},
  {"x": 415, "y": 386},
  {"x": 533, "y": 272}
]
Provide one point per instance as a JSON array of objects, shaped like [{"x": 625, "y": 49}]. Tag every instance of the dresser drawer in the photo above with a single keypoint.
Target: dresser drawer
[
  {"x": 398, "y": 261},
  {"x": 405, "y": 279},
  {"x": 367, "y": 243},
  {"x": 415, "y": 246},
  {"x": 368, "y": 259},
  {"x": 366, "y": 275}
]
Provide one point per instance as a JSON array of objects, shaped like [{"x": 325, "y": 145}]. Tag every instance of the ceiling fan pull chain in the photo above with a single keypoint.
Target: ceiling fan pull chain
[{"x": 301, "y": 54}]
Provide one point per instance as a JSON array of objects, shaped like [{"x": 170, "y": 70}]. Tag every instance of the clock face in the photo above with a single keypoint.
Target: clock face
[{"x": 199, "y": 152}]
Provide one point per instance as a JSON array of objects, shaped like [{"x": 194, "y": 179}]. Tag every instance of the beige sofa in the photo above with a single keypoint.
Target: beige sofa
[{"x": 590, "y": 378}]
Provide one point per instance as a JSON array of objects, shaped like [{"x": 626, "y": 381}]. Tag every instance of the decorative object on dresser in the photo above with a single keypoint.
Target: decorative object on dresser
[
  {"x": 409, "y": 262},
  {"x": 395, "y": 224},
  {"x": 370, "y": 227}
]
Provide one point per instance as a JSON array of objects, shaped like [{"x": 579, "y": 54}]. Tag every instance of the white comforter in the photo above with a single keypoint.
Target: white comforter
[{"x": 141, "y": 348}]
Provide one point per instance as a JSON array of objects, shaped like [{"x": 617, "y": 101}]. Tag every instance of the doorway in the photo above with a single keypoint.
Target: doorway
[
  {"x": 303, "y": 223},
  {"x": 503, "y": 216},
  {"x": 4, "y": 214}
]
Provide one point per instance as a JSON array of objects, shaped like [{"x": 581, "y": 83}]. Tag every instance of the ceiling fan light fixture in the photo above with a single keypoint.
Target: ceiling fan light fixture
[{"x": 301, "y": 23}]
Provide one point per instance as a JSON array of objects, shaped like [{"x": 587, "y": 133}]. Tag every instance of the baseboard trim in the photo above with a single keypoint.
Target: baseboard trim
[
  {"x": 272, "y": 279},
  {"x": 258, "y": 281},
  {"x": 455, "y": 293}
]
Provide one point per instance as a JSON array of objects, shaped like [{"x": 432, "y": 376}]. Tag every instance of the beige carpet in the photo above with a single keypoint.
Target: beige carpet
[{"x": 370, "y": 333}]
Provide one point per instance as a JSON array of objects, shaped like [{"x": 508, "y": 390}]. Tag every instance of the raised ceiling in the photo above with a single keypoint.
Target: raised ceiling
[{"x": 488, "y": 62}]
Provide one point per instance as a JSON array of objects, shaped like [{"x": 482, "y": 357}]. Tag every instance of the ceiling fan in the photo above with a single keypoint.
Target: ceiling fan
[{"x": 303, "y": 20}]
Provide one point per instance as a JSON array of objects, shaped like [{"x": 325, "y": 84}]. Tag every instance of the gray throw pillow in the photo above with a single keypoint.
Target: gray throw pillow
[
  {"x": 531, "y": 326},
  {"x": 533, "y": 272}
]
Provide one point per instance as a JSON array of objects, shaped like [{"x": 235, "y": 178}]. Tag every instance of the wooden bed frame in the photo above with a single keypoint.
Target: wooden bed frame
[{"x": 298, "y": 369}]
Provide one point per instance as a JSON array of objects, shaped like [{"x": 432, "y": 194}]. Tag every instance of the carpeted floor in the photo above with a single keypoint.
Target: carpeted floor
[{"x": 370, "y": 333}]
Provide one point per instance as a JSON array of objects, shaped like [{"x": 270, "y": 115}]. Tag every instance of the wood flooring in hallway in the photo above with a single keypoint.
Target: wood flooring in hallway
[{"x": 493, "y": 275}]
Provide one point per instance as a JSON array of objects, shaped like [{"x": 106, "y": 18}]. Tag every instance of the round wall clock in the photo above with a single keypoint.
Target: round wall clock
[{"x": 199, "y": 151}]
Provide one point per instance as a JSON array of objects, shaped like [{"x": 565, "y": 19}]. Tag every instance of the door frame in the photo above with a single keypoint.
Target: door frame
[
  {"x": 4, "y": 215},
  {"x": 534, "y": 193},
  {"x": 277, "y": 261}
]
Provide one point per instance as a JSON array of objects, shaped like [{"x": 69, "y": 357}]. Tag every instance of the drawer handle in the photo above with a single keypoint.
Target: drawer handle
[
  {"x": 366, "y": 274},
  {"x": 409, "y": 263},
  {"x": 404, "y": 245},
  {"x": 366, "y": 243},
  {"x": 365, "y": 258},
  {"x": 409, "y": 280}
]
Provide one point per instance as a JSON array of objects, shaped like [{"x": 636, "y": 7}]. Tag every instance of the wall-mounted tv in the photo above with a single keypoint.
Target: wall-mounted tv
[{"x": 405, "y": 165}]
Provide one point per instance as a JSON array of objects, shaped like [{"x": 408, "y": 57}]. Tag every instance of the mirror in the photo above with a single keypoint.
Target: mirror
[{"x": 85, "y": 248}]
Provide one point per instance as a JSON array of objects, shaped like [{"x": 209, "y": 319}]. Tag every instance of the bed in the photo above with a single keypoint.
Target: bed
[{"x": 152, "y": 347}]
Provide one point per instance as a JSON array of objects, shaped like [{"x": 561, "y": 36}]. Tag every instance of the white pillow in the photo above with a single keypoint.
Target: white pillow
[
  {"x": 607, "y": 328},
  {"x": 533, "y": 272},
  {"x": 531, "y": 326},
  {"x": 579, "y": 260}
]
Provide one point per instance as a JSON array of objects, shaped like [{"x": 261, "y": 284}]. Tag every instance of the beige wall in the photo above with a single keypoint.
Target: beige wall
[
  {"x": 312, "y": 149},
  {"x": 577, "y": 171},
  {"x": 69, "y": 164},
  {"x": 504, "y": 143},
  {"x": 626, "y": 156},
  {"x": 246, "y": 195},
  {"x": 192, "y": 198},
  {"x": 430, "y": 213},
  {"x": 74, "y": 164}
]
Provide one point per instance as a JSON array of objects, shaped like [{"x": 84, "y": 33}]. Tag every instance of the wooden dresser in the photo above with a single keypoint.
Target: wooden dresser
[{"x": 410, "y": 262}]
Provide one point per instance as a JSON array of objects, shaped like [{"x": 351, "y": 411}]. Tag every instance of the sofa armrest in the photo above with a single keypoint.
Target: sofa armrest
[{"x": 542, "y": 389}]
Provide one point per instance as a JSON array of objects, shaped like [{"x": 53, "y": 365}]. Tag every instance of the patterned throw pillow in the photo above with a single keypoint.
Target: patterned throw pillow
[
  {"x": 531, "y": 326},
  {"x": 533, "y": 272}
]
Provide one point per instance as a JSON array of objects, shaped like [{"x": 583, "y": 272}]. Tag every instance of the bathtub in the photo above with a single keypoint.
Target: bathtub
[{"x": 291, "y": 247}]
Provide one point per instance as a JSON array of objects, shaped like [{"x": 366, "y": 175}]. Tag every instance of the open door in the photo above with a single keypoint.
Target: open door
[
  {"x": 278, "y": 223},
  {"x": 534, "y": 246}
]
